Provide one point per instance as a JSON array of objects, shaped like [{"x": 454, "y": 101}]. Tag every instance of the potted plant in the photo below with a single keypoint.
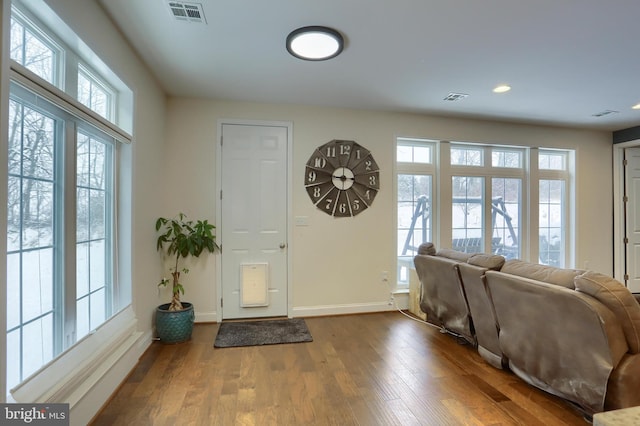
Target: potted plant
[{"x": 180, "y": 238}]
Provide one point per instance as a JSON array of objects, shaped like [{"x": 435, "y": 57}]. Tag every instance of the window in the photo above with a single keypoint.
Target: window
[
  {"x": 414, "y": 201},
  {"x": 94, "y": 245},
  {"x": 467, "y": 156},
  {"x": 553, "y": 207},
  {"x": 471, "y": 207},
  {"x": 61, "y": 233},
  {"x": 32, "y": 49},
  {"x": 95, "y": 94},
  {"x": 38, "y": 224},
  {"x": 468, "y": 214},
  {"x": 490, "y": 187}
]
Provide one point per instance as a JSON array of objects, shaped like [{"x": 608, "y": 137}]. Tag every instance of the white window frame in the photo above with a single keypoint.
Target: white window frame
[
  {"x": 528, "y": 174},
  {"x": 78, "y": 357},
  {"x": 487, "y": 171},
  {"x": 414, "y": 168}
]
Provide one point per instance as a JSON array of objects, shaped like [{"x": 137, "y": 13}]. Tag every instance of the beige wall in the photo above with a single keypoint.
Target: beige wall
[{"x": 337, "y": 262}]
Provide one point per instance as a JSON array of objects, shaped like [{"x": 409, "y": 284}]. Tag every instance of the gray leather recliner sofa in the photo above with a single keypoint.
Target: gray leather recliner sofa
[{"x": 572, "y": 333}]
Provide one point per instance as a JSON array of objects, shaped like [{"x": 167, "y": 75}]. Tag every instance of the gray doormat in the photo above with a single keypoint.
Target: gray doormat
[{"x": 256, "y": 333}]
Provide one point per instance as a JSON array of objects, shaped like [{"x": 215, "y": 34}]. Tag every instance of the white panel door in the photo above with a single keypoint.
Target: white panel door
[
  {"x": 632, "y": 190},
  {"x": 254, "y": 218}
]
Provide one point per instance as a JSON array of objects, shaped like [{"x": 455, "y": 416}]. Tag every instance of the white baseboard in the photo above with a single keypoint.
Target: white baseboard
[
  {"x": 206, "y": 317},
  {"x": 353, "y": 308},
  {"x": 401, "y": 302},
  {"x": 95, "y": 391}
]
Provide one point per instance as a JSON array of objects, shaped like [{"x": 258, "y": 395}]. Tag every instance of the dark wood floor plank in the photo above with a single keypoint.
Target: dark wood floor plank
[{"x": 371, "y": 369}]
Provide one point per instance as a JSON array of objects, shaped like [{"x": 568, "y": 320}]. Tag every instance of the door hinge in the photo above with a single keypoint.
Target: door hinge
[
  {"x": 626, "y": 277},
  {"x": 221, "y": 302},
  {"x": 625, "y": 240},
  {"x": 625, "y": 199},
  {"x": 221, "y": 141},
  {"x": 221, "y": 194},
  {"x": 625, "y": 162}
]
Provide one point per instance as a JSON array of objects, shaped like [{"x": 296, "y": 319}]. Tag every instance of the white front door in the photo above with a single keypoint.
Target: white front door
[
  {"x": 632, "y": 191},
  {"x": 253, "y": 225}
]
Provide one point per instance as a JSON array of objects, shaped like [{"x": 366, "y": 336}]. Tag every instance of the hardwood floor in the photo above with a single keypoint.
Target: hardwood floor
[{"x": 373, "y": 369}]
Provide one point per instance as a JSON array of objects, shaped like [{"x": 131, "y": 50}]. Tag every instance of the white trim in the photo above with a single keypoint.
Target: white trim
[
  {"x": 42, "y": 88},
  {"x": 402, "y": 301},
  {"x": 5, "y": 16},
  {"x": 289, "y": 126},
  {"x": 203, "y": 317},
  {"x": 106, "y": 380},
  {"x": 619, "y": 255},
  {"x": 60, "y": 378}
]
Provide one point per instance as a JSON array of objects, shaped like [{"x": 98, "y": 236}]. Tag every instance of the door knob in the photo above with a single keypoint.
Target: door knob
[{"x": 282, "y": 245}]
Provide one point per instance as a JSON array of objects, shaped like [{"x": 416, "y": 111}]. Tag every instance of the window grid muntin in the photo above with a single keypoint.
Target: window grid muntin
[
  {"x": 25, "y": 368},
  {"x": 98, "y": 83},
  {"x": 63, "y": 338},
  {"x": 105, "y": 189},
  {"x": 415, "y": 151},
  {"x": 415, "y": 170},
  {"x": 28, "y": 26},
  {"x": 506, "y": 213}
]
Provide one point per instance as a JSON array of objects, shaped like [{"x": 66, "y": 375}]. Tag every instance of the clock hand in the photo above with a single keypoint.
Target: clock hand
[{"x": 343, "y": 177}]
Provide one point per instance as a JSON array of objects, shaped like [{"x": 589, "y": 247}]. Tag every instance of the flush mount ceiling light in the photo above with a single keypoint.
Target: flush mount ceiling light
[
  {"x": 503, "y": 88},
  {"x": 636, "y": 106},
  {"x": 315, "y": 43}
]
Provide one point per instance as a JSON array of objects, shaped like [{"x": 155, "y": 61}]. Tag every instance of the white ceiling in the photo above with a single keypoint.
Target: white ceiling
[{"x": 565, "y": 59}]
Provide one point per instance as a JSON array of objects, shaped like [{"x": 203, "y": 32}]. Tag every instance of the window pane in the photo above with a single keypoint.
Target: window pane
[
  {"x": 414, "y": 153},
  {"x": 37, "y": 342},
  {"x": 505, "y": 217},
  {"x": 14, "y": 358},
  {"x": 467, "y": 156},
  {"x": 552, "y": 160},
  {"x": 83, "y": 324},
  {"x": 31, "y": 240},
  {"x": 37, "y": 283},
  {"x": 32, "y": 51},
  {"x": 506, "y": 158},
  {"x": 94, "y": 94},
  {"x": 93, "y": 262},
  {"x": 467, "y": 211},
  {"x": 414, "y": 219},
  {"x": 414, "y": 212},
  {"x": 14, "y": 306},
  {"x": 551, "y": 213}
]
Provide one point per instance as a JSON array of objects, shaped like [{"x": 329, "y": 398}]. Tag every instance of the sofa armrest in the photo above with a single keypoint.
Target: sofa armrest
[{"x": 442, "y": 297}]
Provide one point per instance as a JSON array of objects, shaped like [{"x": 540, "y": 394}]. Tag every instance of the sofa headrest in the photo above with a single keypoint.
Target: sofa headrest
[
  {"x": 489, "y": 261},
  {"x": 427, "y": 248},
  {"x": 534, "y": 271},
  {"x": 454, "y": 254},
  {"x": 615, "y": 296}
]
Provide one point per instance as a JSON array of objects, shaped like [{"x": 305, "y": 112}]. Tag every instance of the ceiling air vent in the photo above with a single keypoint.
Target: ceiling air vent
[
  {"x": 605, "y": 112},
  {"x": 455, "y": 96},
  {"x": 187, "y": 11}
]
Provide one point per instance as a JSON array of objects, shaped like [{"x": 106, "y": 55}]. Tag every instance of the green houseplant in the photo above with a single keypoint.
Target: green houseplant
[{"x": 180, "y": 238}]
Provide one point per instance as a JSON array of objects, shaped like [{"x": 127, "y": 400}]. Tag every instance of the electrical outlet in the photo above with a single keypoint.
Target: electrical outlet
[{"x": 392, "y": 299}]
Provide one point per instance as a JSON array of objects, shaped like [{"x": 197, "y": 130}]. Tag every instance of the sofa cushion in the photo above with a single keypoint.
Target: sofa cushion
[
  {"x": 545, "y": 273},
  {"x": 454, "y": 254},
  {"x": 489, "y": 261},
  {"x": 615, "y": 296},
  {"x": 427, "y": 248}
]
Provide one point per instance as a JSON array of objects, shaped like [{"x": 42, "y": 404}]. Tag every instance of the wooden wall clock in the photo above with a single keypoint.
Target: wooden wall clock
[{"x": 342, "y": 178}]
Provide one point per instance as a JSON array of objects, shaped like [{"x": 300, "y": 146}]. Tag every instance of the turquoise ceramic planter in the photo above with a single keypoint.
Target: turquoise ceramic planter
[{"x": 174, "y": 326}]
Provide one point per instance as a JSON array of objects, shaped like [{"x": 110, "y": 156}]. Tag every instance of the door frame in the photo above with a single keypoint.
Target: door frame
[
  {"x": 619, "y": 218},
  {"x": 289, "y": 126}
]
